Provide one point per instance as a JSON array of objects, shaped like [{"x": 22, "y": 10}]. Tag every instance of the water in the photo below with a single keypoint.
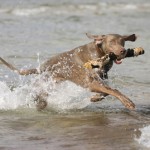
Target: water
[
  {"x": 32, "y": 31},
  {"x": 145, "y": 136}
]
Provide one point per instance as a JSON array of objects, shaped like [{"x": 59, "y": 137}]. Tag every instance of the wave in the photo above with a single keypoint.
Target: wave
[
  {"x": 97, "y": 8},
  {"x": 145, "y": 137},
  {"x": 28, "y": 11}
]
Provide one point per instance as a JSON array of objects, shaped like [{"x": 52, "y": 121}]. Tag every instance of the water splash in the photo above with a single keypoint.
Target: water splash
[
  {"x": 65, "y": 95},
  {"x": 68, "y": 95},
  {"x": 12, "y": 99},
  {"x": 145, "y": 137}
]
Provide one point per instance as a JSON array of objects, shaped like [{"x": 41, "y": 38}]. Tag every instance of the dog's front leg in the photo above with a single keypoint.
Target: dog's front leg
[{"x": 95, "y": 86}]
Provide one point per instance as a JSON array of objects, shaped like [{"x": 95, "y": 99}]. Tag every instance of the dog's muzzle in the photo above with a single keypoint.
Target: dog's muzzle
[{"x": 115, "y": 58}]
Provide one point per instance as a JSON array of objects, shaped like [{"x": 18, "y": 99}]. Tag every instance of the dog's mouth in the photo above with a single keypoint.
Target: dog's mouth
[
  {"x": 115, "y": 58},
  {"x": 118, "y": 61}
]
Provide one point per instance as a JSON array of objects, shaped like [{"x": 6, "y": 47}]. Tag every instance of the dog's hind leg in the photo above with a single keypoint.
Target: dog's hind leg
[
  {"x": 40, "y": 101},
  {"x": 98, "y": 97}
]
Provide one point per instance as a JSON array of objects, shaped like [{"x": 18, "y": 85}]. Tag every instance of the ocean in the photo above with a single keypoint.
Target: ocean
[{"x": 32, "y": 31}]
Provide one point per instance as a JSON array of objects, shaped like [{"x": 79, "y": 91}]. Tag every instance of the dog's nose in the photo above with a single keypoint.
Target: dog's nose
[{"x": 122, "y": 50}]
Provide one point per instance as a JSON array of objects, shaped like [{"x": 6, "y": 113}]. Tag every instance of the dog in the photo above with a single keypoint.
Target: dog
[{"x": 70, "y": 66}]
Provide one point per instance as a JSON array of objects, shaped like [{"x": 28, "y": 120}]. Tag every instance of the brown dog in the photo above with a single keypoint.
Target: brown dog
[{"x": 69, "y": 65}]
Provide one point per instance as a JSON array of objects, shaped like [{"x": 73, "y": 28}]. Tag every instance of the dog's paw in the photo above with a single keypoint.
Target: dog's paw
[
  {"x": 138, "y": 51},
  {"x": 130, "y": 105},
  {"x": 127, "y": 102}
]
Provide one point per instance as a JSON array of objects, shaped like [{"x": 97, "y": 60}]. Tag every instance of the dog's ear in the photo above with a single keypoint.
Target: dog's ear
[
  {"x": 131, "y": 37},
  {"x": 97, "y": 38}
]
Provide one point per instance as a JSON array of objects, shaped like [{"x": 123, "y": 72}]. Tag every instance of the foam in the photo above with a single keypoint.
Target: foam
[
  {"x": 65, "y": 95},
  {"x": 145, "y": 137}
]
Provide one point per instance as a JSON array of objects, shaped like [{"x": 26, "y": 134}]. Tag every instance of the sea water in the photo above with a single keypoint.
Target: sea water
[{"x": 33, "y": 31}]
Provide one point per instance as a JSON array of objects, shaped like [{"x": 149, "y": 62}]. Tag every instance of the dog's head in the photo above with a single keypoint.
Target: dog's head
[{"x": 113, "y": 43}]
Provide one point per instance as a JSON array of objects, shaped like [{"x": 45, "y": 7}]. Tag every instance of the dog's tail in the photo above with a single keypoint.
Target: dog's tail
[{"x": 21, "y": 72}]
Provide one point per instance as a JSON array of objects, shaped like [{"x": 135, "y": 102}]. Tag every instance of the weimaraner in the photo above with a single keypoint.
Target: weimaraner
[{"x": 70, "y": 66}]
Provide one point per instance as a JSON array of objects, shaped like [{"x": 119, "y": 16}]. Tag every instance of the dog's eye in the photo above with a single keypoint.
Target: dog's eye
[{"x": 112, "y": 42}]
